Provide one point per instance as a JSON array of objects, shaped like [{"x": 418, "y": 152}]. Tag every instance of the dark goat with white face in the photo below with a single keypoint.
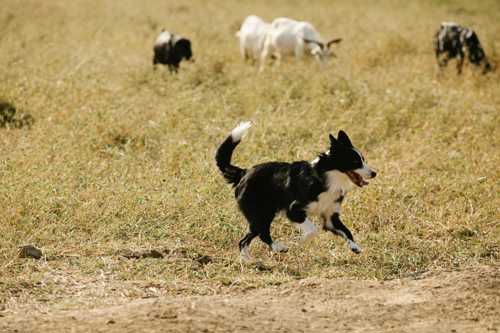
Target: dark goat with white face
[
  {"x": 455, "y": 41},
  {"x": 170, "y": 49}
]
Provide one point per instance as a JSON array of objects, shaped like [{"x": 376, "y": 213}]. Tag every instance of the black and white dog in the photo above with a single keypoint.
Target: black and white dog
[
  {"x": 455, "y": 41},
  {"x": 299, "y": 188},
  {"x": 169, "y": 49}
]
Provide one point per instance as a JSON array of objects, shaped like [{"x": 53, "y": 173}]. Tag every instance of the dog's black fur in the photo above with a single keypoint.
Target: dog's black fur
[
  {"x": 265, "y": 189},
  {"x": 172, "y": 51},
  {"x": 454, "y": 41}
]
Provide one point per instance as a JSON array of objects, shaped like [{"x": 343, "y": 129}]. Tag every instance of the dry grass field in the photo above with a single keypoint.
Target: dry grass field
[{"x": 119, "y": 158}]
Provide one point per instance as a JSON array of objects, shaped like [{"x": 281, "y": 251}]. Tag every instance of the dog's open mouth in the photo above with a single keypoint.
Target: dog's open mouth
[{"x": 356, "y": 178}]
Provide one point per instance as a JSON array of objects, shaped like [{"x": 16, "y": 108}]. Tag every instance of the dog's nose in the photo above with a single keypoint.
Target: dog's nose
[{"x": 373, "y": 174}]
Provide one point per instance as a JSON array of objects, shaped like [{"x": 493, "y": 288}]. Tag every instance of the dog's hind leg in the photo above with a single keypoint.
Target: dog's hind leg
[
  {"x": 265, "y": 236},
  {"x": 245, "y": 246},
  {"x": 337, "y": 227},
  {"x": 259, "y": 218},
  {"x": 275, "y": 246}
]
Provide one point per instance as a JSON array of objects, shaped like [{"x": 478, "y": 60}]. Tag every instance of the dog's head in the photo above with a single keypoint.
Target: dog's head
[{"x": 343, "y": 156}]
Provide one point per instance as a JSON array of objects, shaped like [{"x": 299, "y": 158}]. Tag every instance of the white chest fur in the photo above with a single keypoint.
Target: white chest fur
[{"x": 329, "y": 202}]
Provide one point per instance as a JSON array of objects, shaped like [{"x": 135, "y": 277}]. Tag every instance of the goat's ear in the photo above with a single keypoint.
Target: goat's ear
[
  {"x": 333, "y": 141},
  {"x": 344, "y": 139},
  {"x": 333, "y": 41}
]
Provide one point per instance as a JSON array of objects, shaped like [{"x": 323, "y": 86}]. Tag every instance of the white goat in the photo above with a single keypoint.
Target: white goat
[
  {"x": 252, "y": 35},
  {"x": 289, "y": 37}
]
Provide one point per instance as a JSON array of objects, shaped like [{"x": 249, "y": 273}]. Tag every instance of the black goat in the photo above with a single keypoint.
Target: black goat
[
  {"x": 170, "y": 49},
  {"x": 455, "y": 41}
]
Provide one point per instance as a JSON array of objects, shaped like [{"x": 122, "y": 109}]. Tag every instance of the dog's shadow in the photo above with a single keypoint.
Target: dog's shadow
[{"x": 262, "y": 267}]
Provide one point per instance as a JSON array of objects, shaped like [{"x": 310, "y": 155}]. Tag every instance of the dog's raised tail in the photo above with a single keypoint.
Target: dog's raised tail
[{"x": 231, "y": 173}]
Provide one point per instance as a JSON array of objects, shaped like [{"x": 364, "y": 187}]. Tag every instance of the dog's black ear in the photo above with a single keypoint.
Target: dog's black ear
[
  {"x": 344, "y": 139},
  {"x": 333, "y": 141}
]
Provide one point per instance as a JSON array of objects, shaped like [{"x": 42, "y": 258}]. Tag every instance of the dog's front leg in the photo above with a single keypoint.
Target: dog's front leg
[
  {"x": 297, "y": 214},
  {"x": 337, "y": 227},
  {"x": 460, "y": 62}
]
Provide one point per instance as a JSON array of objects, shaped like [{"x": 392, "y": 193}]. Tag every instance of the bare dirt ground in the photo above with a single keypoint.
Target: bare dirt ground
[{"x": 458, "y": 301}]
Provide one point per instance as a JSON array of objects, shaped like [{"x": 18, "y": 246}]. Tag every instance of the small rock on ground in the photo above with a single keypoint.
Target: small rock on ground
[{"x": 29, "y": 251}]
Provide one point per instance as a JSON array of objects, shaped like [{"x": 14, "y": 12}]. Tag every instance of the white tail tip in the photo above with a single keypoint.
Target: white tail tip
[{"x": 239, "y": 131}]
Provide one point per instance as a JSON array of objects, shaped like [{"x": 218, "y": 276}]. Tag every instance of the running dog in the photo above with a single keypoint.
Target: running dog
[{"x": 300, "y": 189}]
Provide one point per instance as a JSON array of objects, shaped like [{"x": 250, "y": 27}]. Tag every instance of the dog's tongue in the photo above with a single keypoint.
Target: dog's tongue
[{"x": 356, "y": 178}]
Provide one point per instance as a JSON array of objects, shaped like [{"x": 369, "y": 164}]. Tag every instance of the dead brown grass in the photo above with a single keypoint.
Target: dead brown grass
[{"x": 121, "y": 157}]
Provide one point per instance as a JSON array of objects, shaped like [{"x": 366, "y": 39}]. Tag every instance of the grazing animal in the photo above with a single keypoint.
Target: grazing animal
[
  {"x": 289, "y": 37},
  {"x": 169, "y": 49},
  {"x": 300, "y": 189},
  {"x": 252, "y": 35},
  {"x": 455, "y": 41}
]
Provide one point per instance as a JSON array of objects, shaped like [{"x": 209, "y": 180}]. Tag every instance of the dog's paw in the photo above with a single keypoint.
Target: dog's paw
[
  {"x": 308, "y": 229},
  {"x": 278, "y": 247},
  {"x": 308, "y": 236},
  {"x": 354, "y": 247},
  {"x": 245, "y": 255}
]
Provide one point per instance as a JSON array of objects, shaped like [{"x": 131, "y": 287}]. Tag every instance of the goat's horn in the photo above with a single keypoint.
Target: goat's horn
[
  {"x": 333, "y": 41},
  {"x": 314, "y": 42}
]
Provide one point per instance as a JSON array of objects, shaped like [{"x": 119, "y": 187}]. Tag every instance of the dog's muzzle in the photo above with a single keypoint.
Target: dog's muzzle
[{"x": 356, "y": 178}]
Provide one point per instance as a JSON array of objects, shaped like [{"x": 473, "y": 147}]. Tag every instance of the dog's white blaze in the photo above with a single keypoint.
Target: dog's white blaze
[
  {"x": 308, "y": 229},
  {"x": 239, "y": 131},
  {"x": 245, "y": 254},
  {"x": 366, "y": 170},
  {"x": 278, "y": 247},
  {"x": 359, "y": 153}
]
